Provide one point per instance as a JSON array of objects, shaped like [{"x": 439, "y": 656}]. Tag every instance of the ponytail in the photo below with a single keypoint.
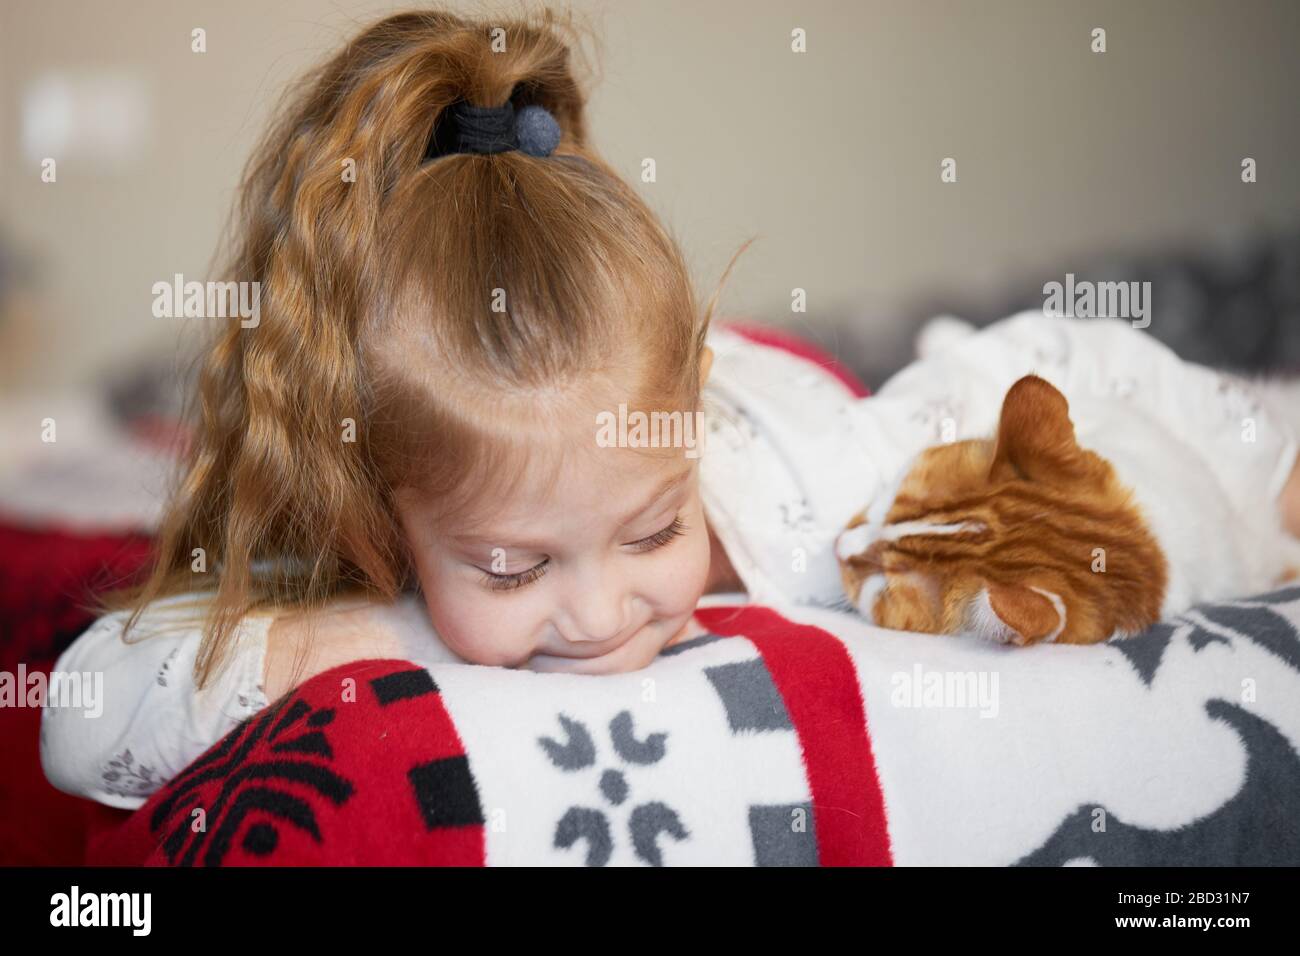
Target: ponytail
[{"x": 279, "y": 489}]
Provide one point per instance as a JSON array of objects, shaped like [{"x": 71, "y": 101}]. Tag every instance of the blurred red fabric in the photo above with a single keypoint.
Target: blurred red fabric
[{"x": 48, "y": 582}]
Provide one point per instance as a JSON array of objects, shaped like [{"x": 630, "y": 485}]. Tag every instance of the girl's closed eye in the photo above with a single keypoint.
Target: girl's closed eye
[
  {"x": 509, "y": 582},
  {"x": 660, "y": 538}
]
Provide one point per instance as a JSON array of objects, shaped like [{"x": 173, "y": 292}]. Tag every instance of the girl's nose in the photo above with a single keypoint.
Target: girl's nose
[{"x": 596, "y": 613}]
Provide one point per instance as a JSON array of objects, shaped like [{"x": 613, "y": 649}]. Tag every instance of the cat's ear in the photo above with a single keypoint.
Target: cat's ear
[
  {"x": 1027, "y": 615},
  {"x": 1035, "y": 435}
]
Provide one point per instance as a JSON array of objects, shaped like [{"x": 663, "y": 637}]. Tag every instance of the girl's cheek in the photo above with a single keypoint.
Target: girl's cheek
[
  {"x": 682, "y": 572},
  {"x": 471, "y": 621}
]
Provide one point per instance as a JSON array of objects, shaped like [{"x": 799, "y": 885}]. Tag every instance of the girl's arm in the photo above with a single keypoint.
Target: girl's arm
[
  {"x": 141, "y": 720},
  {"x": 144, "y": 720},
  {"x": 300, "y": 646}
]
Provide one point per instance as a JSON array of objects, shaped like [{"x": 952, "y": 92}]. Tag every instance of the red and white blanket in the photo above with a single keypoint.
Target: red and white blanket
[{"x": 798, "y": 738}]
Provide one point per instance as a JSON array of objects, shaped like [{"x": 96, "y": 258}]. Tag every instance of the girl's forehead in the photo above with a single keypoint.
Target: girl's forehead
[
  {"x": 551, "y": 458},
  {"x": 592, "y": 486}
]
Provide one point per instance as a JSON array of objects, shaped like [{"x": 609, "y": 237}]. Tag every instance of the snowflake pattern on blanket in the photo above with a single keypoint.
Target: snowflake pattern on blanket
[
  {"x": 382, "y": 762},
  {"x": 768, "y": 742}
]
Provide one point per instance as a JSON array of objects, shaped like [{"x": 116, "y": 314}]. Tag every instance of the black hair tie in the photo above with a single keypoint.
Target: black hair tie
[{"x": 465, "y": 128}]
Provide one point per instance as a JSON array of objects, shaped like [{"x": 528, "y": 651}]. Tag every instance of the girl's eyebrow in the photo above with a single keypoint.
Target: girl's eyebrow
[{"x": 672, "y": 483}]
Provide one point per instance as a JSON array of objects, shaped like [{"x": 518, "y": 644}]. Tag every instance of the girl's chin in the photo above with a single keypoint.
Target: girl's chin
[{"x": 692, "y": 628}]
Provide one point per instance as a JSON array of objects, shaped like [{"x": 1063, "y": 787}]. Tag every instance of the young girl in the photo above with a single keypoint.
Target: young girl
[{"x": 404, "y": 457}]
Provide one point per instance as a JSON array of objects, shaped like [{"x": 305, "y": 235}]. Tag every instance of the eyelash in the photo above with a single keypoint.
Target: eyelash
[
  {"x": 660, "y": 538},
  {"x": 510, "y": 582}
]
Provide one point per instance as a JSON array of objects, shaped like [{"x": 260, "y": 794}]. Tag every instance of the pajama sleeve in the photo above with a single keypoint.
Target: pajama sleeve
[
  {"x": 1221, "y": 417},
  {"x": 772, "y": 428},
  {"x": 144, "y": 721},
  {"x": 138, "y": 719}
]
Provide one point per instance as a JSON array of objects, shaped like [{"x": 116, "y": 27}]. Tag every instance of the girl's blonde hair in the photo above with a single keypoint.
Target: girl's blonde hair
[{"x": 409, "y": 311}]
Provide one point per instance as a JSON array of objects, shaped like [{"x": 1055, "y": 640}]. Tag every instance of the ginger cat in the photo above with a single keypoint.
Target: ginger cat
[{"x": 1031, "y": 537}]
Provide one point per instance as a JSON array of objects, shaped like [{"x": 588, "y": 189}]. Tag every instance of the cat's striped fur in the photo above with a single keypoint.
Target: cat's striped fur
[{"x": 1026, "y": 537}]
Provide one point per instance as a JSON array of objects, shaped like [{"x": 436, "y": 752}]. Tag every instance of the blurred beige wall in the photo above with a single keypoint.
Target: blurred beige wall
[{"x": 831, "y": 157}]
